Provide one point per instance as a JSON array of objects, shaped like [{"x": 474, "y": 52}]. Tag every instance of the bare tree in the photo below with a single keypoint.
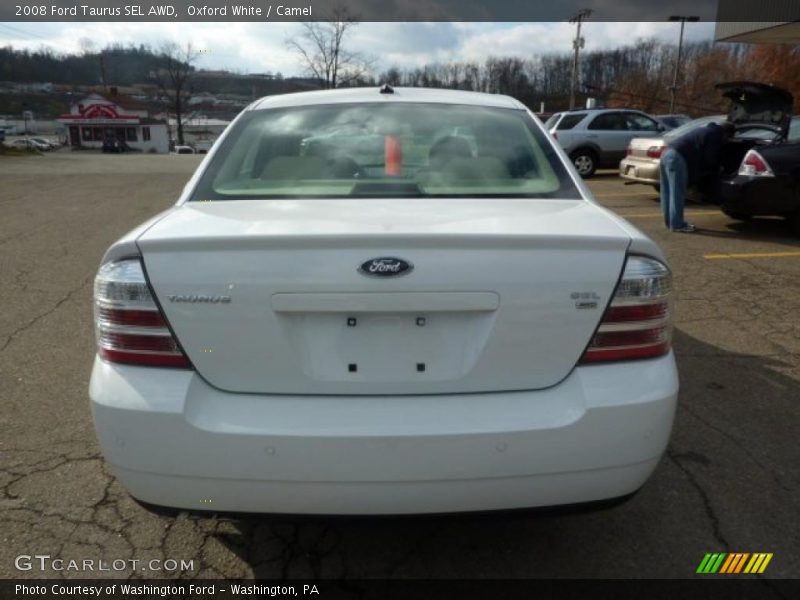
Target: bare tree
[
  {"x": 321, "y": 47},
  {"x": 173, "y": 75}
]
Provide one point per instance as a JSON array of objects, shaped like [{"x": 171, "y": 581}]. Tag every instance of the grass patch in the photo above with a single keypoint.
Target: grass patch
[{"x": 8, "y": 151}]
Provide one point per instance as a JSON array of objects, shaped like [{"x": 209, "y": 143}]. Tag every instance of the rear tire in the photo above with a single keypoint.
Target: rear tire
[{"x": 585, "y": 162}]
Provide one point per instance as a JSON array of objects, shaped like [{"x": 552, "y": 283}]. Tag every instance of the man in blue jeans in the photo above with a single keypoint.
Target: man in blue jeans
[{"x": 685, "y": 162}]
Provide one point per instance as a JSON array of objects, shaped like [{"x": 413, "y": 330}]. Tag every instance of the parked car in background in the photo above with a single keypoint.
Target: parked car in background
[
  {"x": 673, "y": 121},
  {"x": 183, "y": 150},
  {"x": 448, "y": 329},
  {"x": 47, "y": 143},
  {"x": 748, "y": 184},
  {"x": 114, "y": 145},
  {"x": 643, "y": 155},
  {"x": 31, "y": 144},
  {"x": 597, "y": 138},
  {"x": 763, "y": 164}
]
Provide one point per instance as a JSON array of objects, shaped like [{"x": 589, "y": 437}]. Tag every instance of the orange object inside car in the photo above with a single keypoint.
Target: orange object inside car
[{"x": 393, "y": 156}]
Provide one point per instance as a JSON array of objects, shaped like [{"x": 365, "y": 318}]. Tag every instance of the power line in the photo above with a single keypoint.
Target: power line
[{"x": 23, "y": 32}]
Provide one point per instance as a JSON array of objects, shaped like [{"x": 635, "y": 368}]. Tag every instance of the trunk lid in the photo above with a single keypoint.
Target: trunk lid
[
  {"x": 266, "y": 296},
  {"x": 640, "y": 146},
  {"x": 755, "y": 104}
]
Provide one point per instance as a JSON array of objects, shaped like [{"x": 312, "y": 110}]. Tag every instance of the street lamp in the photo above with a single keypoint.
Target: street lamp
[
  {"x": 674, "y": 89},
  {"x": 577, "y": 44}
]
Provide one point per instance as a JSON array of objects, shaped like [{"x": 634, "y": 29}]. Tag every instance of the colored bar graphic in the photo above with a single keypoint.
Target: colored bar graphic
[
  {"x": 740, "y": 564},
  {"x": 734, "y": 563},
  {"x": 715, "y": 567},
  {"x": 754, "y": 563},
  {"x": 727, "y": 564},
  {"x": 767, "y": 558},
  {"x": 703, "y": 564}
]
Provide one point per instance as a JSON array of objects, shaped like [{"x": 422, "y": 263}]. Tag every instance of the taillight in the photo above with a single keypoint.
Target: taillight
[
  {"x": 637, "y": 324},
  {"x": 129, "y": 326},
  {"x": 755, "y": 165},
  {"x": 655, "y": 151},
  {"x": 629, "y": 150}
]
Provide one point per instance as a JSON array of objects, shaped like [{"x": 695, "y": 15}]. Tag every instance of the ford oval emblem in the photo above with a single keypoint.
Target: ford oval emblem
[{"x": 385, "y": 266}]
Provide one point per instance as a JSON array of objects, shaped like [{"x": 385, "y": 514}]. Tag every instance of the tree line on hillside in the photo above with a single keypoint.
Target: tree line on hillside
[
  {"x": 115, "y": 65},
  {"x": 637, "y": 75}
]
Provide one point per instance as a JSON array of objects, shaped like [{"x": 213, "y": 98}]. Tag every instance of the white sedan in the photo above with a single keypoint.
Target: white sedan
[{"x": 383, "y": 301}]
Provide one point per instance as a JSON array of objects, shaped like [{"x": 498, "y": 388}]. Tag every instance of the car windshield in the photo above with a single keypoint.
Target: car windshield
[{"x": 384, "y": 150}]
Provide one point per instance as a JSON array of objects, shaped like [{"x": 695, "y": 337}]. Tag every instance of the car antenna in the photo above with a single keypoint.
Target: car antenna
[{"x": 386, "y": 89}]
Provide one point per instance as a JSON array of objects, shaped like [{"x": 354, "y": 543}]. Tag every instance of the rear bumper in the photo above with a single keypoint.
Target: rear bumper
[
  {"x": 173, "y": 440},
  {"x": 758, "y": 196},
  {"x": 640, "y": 171}
]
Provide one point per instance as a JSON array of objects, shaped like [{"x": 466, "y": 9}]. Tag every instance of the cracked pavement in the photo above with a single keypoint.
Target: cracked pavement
[{"x": 729, "y": 481}]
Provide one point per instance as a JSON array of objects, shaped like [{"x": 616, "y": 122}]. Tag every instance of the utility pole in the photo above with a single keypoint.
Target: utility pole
[
  {"x": 674, "y": 89},
  {"x": 103, "y": 71},
  {"x": 577, "y": 44}
]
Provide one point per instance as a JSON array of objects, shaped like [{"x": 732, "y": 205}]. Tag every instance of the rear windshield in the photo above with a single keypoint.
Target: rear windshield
[
  {"x": 550, "y": 123},
  {"x": 794, "y": 130},
  {"x": 569, "y": 121},
  {"x": 384, "y": 150}
]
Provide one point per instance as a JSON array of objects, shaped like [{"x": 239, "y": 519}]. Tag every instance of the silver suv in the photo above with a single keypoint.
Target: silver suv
[{"x": 598, "y": 138}]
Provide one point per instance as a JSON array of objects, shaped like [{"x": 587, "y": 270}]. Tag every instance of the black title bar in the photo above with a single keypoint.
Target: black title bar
[{"x": 399, "y": 10}]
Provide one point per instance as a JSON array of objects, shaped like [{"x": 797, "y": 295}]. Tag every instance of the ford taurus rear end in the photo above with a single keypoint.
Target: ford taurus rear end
[{"x": 383, "y": 303}]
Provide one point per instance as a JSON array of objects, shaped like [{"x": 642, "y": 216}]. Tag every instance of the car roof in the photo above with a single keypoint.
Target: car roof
[
  {"x": 399, "y": 94},
  {"x": 596, "y": 111}
]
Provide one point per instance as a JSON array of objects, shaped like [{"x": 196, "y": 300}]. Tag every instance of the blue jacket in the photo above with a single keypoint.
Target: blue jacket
[{"x": 701, "y": 148}]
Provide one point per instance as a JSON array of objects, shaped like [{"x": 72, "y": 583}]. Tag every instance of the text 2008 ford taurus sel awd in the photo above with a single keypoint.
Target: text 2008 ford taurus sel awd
[{"x": 383, "y": 301}]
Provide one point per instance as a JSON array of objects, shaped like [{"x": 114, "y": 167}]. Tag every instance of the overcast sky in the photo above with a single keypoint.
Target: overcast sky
[{"x": 260, "y": 47}]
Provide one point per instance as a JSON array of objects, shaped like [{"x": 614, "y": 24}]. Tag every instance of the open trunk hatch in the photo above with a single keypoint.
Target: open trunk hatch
[{"x": 755, "y": 104}]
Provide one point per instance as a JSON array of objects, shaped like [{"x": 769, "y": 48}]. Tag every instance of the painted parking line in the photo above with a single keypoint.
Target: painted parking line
[{"x": 750, "y": 255}]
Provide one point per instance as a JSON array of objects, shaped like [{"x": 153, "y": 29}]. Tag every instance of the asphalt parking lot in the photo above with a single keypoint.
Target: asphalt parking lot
[{"x": 728, "y": 483}]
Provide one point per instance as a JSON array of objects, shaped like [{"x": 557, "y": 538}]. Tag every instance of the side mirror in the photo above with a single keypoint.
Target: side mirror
[{"x": 661, "y": 127}]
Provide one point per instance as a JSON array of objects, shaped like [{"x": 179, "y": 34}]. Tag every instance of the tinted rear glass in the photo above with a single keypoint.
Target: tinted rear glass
[
  {"x": 552, "y": 121},
  {"x": 384, "y": 150},
  {"x": 569, "y": 121},
  {"x": 609, "y": 121},
  {"x": 794, "y": 130}
]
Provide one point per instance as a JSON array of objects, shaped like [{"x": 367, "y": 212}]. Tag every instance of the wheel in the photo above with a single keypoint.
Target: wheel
[{"x": 585, "y": 162}]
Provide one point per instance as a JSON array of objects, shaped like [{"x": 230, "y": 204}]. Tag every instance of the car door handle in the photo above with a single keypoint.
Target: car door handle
[{"x": 591, "y": 135}]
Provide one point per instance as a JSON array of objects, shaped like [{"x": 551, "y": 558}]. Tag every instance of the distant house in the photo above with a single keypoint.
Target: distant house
[
  {"x": 97, "y": 119},
  {"x": 199, "y": 131}
]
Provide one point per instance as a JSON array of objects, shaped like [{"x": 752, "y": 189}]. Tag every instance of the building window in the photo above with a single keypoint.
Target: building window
[
  {"x": 87, "y": 134},
  {"x": 130, "y": 134},
  {"x": 98, "y": 134},
  {"x": 146, "y": 134}
]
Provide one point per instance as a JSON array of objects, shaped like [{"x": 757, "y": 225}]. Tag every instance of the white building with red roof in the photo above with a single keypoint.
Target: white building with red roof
[{"x": 114, "y": 123}]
